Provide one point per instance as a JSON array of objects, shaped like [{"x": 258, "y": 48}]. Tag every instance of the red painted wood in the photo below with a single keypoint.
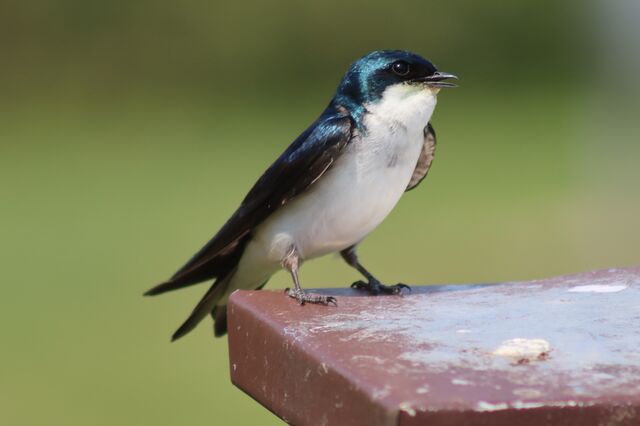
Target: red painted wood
[{"x": 561, "y": 351}]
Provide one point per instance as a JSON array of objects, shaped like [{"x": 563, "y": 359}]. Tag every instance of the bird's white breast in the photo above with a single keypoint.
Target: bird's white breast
[{"x": 360, "y": 189}]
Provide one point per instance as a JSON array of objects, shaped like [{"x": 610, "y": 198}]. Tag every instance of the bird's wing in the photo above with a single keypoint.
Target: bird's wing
[
  {"x": 425, "y": 159},
  {"x": 299, "y": 167}
]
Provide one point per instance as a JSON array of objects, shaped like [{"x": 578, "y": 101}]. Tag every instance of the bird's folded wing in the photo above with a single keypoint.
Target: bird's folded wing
[
  {"x": 425, "y": 159},
  {"x": 300, "y": 166}
]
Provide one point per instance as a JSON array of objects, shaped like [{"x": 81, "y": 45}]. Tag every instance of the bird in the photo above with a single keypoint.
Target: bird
[{"x": 331, "y": 187}]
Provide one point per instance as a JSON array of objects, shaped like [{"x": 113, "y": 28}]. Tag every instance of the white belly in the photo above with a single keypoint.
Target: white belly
[
  {"x": 344, "y": 205},
  {"x": 351, "y": 199}
]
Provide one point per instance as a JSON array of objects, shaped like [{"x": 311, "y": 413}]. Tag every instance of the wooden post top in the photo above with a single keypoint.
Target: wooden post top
[{"x": 560, "y": 351}]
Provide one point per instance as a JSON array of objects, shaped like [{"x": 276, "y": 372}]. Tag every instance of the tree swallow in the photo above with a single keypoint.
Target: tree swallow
[{"x": 329, "y": 189}]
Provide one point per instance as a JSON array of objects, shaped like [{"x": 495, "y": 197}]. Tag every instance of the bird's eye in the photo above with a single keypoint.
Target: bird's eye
[{"x": 400, "y": 68}]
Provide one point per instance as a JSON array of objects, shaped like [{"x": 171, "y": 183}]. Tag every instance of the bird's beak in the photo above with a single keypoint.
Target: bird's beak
[{"x": 437, "y": 80}]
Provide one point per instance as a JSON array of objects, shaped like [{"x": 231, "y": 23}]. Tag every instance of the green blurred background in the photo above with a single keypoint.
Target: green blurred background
[{"x": 130, "y": 131}]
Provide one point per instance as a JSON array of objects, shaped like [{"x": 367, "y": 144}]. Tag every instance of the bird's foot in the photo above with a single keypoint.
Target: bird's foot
[
  {"x": 375, "y": 287},
  {"x": 303, "y": 297}
]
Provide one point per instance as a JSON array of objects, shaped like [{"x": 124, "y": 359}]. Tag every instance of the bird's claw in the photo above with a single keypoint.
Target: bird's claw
[
  {"x": 397, "y": 288},
  {"x": 375, "y": 287},
  {"x": 317, "y": 299},
  {"x": 360, "y": 285}
]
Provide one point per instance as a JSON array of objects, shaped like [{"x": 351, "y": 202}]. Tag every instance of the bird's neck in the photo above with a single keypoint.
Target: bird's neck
[
  {"x": 349, "y": 106},
  {"x": 411, "y": 106}
]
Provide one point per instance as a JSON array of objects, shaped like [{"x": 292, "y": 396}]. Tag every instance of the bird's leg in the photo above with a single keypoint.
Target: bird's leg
[
  {"x": 291, "y": 264},
  {"x": 372, "y": 285}
]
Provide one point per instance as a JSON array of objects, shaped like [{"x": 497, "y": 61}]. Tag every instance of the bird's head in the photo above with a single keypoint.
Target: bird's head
[{"x": 370, "y": 76}]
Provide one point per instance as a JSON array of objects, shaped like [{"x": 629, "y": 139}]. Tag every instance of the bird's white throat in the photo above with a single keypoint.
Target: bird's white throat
[{"x": 410, "y": 105}]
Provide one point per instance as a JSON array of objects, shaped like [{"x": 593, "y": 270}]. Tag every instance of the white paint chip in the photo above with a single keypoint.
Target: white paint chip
[
  {"x": 488, "y": 406},
  {"x": 461, "y": 382},
  {"x": 381, "y": 393},
  {"x": 422, "y": 390},
  {"x": 520, "y": 405},
  {"x": 598, "y": 288},
  {"x": 521, "y": 349},
  {"x": 407, "y": 408}
]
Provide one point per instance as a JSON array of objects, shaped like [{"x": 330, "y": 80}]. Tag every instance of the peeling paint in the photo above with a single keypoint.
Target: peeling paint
[
  {"x": 484, "y": 406},
  {"x": 381, "y": 393},
  {"x": 407, "y": 408},
  {"x": 461, "y": 382},
  {"x": 368, "y": 358},
  {"x": 487, "y": 406},
  {"x": 520, "y": 349},
  {"x": 598, "y": 288}
]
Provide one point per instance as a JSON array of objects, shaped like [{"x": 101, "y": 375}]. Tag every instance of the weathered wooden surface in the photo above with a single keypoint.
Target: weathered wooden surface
[{"x": 562, "y": 351}]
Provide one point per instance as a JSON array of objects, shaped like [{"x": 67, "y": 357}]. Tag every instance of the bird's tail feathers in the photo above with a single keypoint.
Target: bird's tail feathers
[
  {"x": 219, "y": 315},
  {"x": 204, "y": 266},
  {"x": 163, "y": 288},
  {"x": 206, "y": 306}
]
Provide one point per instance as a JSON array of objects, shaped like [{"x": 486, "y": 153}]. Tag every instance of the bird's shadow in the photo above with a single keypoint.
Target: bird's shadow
[{"x": 415, "y": 289}]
